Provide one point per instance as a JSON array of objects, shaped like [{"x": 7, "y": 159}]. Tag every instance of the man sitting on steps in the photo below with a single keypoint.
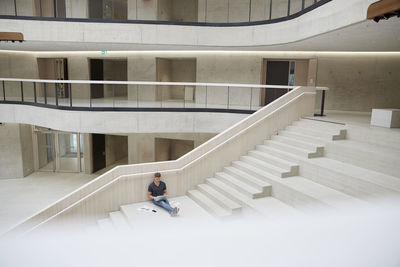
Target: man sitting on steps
[{"x": 157, "y": 192}]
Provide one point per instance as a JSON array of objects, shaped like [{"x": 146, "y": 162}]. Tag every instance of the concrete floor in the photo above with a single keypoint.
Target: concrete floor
[{"x": 23, "y": 197}]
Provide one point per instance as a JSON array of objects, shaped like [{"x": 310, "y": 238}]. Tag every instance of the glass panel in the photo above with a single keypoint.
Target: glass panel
[
  {"x": 24, "y": 7},
  {"x": 308, "y": 3},
  {"x": 291, "y": 73},
  {"x": 238, "y": 10},
  {"x": 13, "y": 91},
  {"x": 63, "y": 94},
  {"x": 80, "y": 94},
  {"x": 149, "y": 96},
  {"x": 1, "y": 91},
  {"x": 279, "y": 9},
  {"x": 7, "y": 7},
  {"x": 172, "y": 96},
  {"x": 260, "y": 10},
  {"x": 295, "y": 6},
  {"x": 82, "y": 153},
  {"x": 217, "y": 97},
  {"x": 68, "y": 152},
  {"x": 120, "y": 95},
  {"x": 239, "y": 97},
  {"x": 29, "y": 95},
  {"x": 46, "y": 150}
]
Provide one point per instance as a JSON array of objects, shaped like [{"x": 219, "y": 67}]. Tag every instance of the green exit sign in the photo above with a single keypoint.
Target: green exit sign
[{"x": 104, "y": 52}]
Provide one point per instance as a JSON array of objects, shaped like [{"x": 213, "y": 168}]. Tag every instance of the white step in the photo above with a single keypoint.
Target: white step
[
  {"x": 276, "y": 152},
  {"x": 315, "y": 132},
  {"x": 300, "y": 192},
  {"x": 248, "y": 179},
  {"x": 221, "y": 199},
  {"x": 370, "y": 156},
  {"x": 334, "y": 128},
  {"x": 268, "y": 167},
  {"x": 119, "y": 221},
  {"x": 246, "y": 189},
  {"x": 273, "y": 160},
  {"x": 297, "y": 142},
  {"x": 350, "y": 179},
  {"x": 106, "y": 225},
  {"x": 321, "y": 123},
  {"x": 262, "y": 205},
  {"x": 303, "y": 137},
  {"x": 293, "y": 150},
  {"x": 229, "y": 191},
  {"x": 208, "y": 204}
]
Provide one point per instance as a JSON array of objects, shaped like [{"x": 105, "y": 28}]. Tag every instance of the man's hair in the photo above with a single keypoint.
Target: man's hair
[{"x": 157, "y": 174}]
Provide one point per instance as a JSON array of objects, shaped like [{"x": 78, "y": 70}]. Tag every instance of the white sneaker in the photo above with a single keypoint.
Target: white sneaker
[{"x": 174, "y": 212}]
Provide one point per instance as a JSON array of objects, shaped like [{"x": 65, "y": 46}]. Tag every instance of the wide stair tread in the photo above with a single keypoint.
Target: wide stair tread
[
  {"x": 279, "y": 153},
  {"x": 319, "y": 140},
  {"x": 320, "y": 133},
  {"x": 245, "y": 177},
  {"x": 386, "y": 181},
  {"x": 119, "y": 220},
  {"x": 297, "y": 142},
  {"x": 221, "y": 199},
  {"x": 292, "y": 149},
  {"x": 274, "y": 160},
  {"x": 261, "y": 205},
  {"x": 268, "y": 167},
  {"x": 319, "y": 124},
  {"x": 238, "y": 184},
  {"x": 106, "y": 224},
  {"x": 298, "y": 183},
  {"x": 208, "y": 204}
]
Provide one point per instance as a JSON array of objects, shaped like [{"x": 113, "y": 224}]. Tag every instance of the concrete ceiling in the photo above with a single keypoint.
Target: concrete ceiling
[{"x": 364, "y": 36}]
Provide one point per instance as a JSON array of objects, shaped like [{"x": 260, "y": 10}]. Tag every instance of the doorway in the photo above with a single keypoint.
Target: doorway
[
  {"x": 283, "y": 72},
  {"x": 53, "y": 69},
  {"x": 59, "y": 151},
  {"x": 99, "y": 151}
]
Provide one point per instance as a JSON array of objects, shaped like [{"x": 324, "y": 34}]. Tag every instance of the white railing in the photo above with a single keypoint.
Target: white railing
[{"x": 127, "y": 184}]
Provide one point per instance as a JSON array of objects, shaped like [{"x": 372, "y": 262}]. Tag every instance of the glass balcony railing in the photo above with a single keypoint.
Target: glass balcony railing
[
  {"x": 192, "y": 12},
  {"x": 139, "y": 96}
]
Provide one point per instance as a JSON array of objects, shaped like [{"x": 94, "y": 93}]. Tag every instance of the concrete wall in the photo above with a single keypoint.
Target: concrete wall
[
  {"x": 16, "y": 151},
  {"x": 142, "y": 147},
  {"x": 360, "y": 83}
]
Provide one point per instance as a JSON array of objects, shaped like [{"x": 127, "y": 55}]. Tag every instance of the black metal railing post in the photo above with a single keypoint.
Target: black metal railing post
[
  {"x": 45, "y": 93},
  {"x": 15, "y": 7},
  {"x": 288, "y": 8},
  {"x": 4, "y": 90},
  {"x": 228, "y": 99},
  {"x": 56, "y": 86},
  {"x": 322, "y": 103},
  {"x": 22, "y": 92},
  {"x": 302, "y": 4},
  {"x": 206, "y": 96},
  {"x": 251, "y": 96},
  {"x": 69, "y": 86},
  {"x": 250, "y": 11},
  {"x": 34, "y": 92}
]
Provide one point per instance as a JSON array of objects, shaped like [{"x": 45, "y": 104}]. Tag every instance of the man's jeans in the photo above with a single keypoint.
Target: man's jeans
[{"x": 164, "y": 204}]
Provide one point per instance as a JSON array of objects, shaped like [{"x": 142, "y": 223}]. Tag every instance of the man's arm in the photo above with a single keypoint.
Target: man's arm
[{"x": 150, "y": 195}]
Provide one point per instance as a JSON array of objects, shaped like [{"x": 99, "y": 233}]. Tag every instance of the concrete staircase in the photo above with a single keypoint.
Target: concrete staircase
[
  {"x": 291, "y": 168},
  {"x": 308, "y": 164}
]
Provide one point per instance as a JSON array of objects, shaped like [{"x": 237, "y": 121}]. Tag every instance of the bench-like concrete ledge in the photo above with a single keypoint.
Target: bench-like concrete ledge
[{"x": 389, "y": 118}]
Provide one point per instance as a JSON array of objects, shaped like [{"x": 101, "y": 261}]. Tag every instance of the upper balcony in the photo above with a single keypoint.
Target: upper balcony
[{"x": 302, "y": 25}]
